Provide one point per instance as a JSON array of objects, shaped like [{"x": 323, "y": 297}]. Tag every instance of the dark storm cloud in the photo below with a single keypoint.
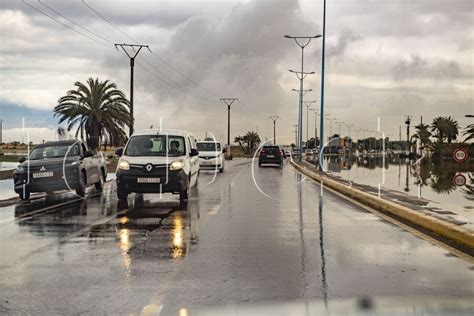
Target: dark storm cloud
[
  {"x": 343, "y": 41},
  {"x": 418, "y": 67}
]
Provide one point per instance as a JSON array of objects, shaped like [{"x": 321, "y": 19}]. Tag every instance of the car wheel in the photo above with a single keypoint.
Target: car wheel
[
  {"x": 184, "y": 194},
  {"x": 99, "y": 185},
  {"x": 121, "y": 194},
  {"x": 81, "y": 188},
  {"x": 25, "y": 196},
  {"x": 221, "y": 169}
]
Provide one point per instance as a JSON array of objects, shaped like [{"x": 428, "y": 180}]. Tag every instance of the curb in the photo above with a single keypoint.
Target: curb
[{"x": 456, "y": 234}]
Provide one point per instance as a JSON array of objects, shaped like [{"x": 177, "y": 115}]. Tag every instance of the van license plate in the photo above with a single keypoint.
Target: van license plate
[
  {"x": 148, "y": 180},
  {"x": 42, "y": 174},
  {"x": 271, "y": 156}
]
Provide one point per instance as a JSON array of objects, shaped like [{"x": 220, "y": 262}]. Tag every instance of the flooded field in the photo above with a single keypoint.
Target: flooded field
[{"x": 448, "y": 184}]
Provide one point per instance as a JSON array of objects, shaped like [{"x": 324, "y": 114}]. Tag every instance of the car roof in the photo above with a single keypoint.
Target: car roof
[
  {"x": 68, "y": 142},
  {"x": 156, "y": 131},
  {"x": 208, "y": 141}
]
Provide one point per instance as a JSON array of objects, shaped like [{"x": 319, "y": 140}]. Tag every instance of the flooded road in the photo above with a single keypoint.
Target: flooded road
[{"x": 235, "y": 241}]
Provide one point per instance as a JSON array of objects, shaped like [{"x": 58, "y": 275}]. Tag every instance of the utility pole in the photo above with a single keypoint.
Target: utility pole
[
  {"x": 136, "y": 48},
  {"x": 296, "y": 133},
  {"x": 1, "y": 131},
  {"x": 274, "y": 118},
  {"x": 407, "y": 122},
  {"x": 228, "y": 102}
]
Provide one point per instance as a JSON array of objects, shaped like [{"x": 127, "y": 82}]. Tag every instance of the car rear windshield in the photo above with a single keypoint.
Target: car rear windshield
[
  {"x": 208, "y": 146},
  {"x": 156, "y": 145},
  {"x": 54, "y": 151}
]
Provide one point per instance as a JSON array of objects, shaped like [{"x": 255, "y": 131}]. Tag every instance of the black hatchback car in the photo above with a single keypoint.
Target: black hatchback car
[{"x": 270, "y": 155}]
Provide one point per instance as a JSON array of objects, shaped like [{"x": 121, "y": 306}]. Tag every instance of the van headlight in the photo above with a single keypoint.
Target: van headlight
[
  {"x": 124, "y": 165},
  {"x": 20, "y": 169},
  {"x": 177, "y": 165}
]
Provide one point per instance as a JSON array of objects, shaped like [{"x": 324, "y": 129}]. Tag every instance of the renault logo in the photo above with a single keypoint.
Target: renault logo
[
  {"x": 42, "y": 168},
  {"x": 149, "y": 167}
]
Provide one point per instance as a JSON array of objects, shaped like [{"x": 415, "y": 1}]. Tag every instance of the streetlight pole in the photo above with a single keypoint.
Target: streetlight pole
[
  {"x": 308, "y": 104},
  {"x": 301, "y": 76},
  {"x": 228, "y": 102},
  {"x": 330, "y": 127},
  {"x": 274, "y": 118},
  {"x": 323, "y": 58},
  {"x": 302, "y": 42},
  {"x": 132, "y": 65},
  {"x": 340, "y": 124}
]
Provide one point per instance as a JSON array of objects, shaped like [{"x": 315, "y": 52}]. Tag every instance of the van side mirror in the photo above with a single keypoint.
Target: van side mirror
[
  {"x": 119, "y": 152},
  {"x": 194, "y": 152},
  {"x": 21, "y": 159},
  {"x": 88, "y": 154}
]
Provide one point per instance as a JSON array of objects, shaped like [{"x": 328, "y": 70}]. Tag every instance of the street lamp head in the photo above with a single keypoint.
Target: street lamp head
[
  {"x": 311, "y": 73},
  {"x": 287, "y": 36},
  {"x": 317, "y": 36},
  {"x": 292, "y": 71}
]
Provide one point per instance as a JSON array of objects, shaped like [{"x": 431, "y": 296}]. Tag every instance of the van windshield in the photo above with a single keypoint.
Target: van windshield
[
  {"x": 156, "y": 145},
  {"x": 208, "y": 146}
]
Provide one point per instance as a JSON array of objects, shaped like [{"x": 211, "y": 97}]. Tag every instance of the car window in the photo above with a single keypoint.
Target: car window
[
  {"x": 54, "y": 151},
  {"x": 208, "y": 146},
  {"x": 156, "y": 145}
]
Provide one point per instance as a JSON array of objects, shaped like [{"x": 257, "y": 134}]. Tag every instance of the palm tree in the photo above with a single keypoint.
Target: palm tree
[
  {"x": 252, "y": 139},
  {"x": 61, "y": 132},
  {"x": 445, "y": 127},
  {"x": 468, "y": 132},
  {"x": 96, "y": 108},
  {"x": 240, "y": 140},
  {"x": 438, "y": 127},
  {"x": 452, "y": 129},
  {"x": 423, "y": 134}
]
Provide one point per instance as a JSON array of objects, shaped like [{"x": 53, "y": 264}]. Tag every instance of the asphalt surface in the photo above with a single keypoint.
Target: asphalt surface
[{"x": 234, "y": 242}]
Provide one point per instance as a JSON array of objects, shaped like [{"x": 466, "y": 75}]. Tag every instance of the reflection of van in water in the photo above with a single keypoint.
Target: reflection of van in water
[
  {"x": 158, "y": 161},
  {"x": 211, "y": 154}
]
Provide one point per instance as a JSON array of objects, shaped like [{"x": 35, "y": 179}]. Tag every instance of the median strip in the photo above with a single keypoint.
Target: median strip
[{"x": 449, "y": 231}]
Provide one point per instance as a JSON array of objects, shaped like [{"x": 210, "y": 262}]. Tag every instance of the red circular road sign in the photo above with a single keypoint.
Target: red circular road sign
[
  {"x": 459, "y": 180},
  {"x": 460, "y": 154}
]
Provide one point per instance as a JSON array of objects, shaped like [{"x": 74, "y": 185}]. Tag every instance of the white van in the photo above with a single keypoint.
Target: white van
[
  {"x": 158, "y": 161},
  {"x": 211, "y": 154}
]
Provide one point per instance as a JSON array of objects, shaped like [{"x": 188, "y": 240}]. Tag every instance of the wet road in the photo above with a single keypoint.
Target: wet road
[{"x": 232, "y": 243}]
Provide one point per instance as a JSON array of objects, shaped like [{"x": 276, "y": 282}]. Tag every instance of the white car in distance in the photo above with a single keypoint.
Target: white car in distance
[{"x": 211, "y": 154}]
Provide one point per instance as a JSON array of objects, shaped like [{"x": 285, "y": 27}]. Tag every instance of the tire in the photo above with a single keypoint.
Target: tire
[
  {"x": 81, "y": 188},
  {"x": 221, "y": 169},
  {"x": 24, "y": 196},
  {"x": 184, "y": 195},
  {"x": 99, "y": 185},
  {"x": 121, "y": 194}
]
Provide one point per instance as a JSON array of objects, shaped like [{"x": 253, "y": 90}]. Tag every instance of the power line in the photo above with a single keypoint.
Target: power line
[
  {"x": 153, "y": 54},
  {"x": 167, "y": 80},
  {"x": 77, "y": 24},
  {"x": 65, "y": 25}
]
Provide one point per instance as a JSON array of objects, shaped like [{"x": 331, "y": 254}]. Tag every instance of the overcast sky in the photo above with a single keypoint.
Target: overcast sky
[{"x": 385, "y": 59}]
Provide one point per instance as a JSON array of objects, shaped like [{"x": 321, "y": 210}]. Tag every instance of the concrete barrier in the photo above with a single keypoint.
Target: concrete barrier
[{"x": 452, "y": 232}]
